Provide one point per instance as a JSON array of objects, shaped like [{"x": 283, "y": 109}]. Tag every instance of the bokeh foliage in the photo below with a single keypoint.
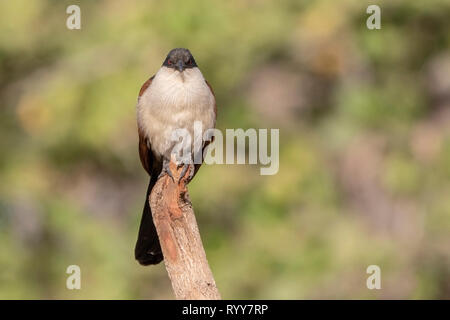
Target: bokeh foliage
[{"x": 364, "y": 120}]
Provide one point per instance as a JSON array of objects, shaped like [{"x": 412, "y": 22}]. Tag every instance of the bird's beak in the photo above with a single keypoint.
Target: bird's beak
[{"x": 180, "y": 66}]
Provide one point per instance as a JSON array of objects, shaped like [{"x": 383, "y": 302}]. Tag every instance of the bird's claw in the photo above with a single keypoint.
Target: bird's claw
[
  {"x": 166, "y": 170},
  {"x": 191, "y": 168}
]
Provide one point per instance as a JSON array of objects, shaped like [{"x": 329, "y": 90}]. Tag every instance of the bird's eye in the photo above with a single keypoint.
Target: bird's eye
[
  {"x": 169, "y": 62},
  {"x": 190, "y": 62}
]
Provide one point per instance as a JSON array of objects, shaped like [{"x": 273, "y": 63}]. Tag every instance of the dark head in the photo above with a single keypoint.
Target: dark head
[{"x": 179, "y": 59}]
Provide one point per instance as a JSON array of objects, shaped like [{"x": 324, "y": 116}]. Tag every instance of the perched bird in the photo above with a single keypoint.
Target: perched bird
[{"x": 174, "y": 98}]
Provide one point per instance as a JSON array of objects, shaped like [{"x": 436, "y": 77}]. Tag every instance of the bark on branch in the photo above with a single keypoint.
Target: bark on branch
[{"x": 184, "y": 255}]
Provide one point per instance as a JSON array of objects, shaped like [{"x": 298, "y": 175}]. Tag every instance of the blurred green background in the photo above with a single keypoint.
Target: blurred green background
[{"x": 364, "y": 118}]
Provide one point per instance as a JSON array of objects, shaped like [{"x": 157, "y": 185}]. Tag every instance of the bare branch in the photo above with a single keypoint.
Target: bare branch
[{"x": 184, "y": 255}]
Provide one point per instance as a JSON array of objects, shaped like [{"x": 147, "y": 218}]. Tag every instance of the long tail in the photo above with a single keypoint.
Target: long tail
[{"x": 148, "y": 249}]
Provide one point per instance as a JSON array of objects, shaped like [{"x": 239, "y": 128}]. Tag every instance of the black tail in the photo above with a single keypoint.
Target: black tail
[{"x": 148, "y": 249}]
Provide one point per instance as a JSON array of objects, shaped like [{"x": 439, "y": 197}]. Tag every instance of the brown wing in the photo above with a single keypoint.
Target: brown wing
[
  {"x": 144, "y": 146},
  {"x": 145, "y": 86}
]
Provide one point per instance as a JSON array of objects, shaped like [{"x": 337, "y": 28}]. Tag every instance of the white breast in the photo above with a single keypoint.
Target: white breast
[{"x": 174, "y": 100}]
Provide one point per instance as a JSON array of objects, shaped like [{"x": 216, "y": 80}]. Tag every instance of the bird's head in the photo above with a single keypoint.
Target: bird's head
[{"x": 179, "y": 59}]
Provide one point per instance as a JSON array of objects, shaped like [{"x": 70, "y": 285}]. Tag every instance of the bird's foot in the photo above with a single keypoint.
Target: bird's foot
[
  {"x": 166, "y": 170},
  {"x": 186, "y": 167}
]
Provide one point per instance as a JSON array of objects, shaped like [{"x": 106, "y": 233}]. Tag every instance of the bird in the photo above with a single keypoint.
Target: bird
[{"x": 174, "y": 98}]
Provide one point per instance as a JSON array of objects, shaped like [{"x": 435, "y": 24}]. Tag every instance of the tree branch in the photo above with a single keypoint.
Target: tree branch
[{"x": 184, "y": 255}]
